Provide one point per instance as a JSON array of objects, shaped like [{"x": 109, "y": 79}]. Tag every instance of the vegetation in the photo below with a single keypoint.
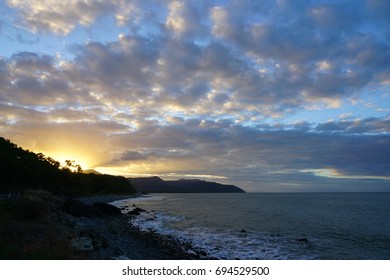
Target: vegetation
[
  {"x": 32, "y": 221},
  {"x": 22, "y": 169},
  {"x": 31, "y": 228}
]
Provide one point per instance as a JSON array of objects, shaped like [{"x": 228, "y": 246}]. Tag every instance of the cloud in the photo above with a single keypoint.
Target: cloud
[
  {"x": 33, "y": 79},
  {"x": 60, "y": 17},
  {"x": 126, "y": 63},
  {"x": 131, "y": 156},
  {"x": 194, "y": 88},
  {"x": 367, "y": 126},
  {"x": 222, "y": 25},
  {"x": 225, "y": 146},
  {"x": 335, "y": 17},
  {"x": 287, "y": 50},
  {"x": 266, "y": 154},
  {"x": 28, "y": 61},
  {"x": 278, "y": 56},
  {"x": 182, "y": 17}
]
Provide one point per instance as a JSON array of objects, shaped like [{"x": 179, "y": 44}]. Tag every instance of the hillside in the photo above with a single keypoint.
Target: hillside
[
  {"x": 158, "y": 185},
  {"x": 22, "y": 169}
]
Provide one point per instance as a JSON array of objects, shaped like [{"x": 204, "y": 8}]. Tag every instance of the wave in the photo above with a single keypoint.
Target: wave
[{"x": 215, "y": 243}]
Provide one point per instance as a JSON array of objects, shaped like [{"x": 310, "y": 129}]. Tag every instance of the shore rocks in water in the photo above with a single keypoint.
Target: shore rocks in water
[
  {"x": 303, "y": 239},
  {"x": 136, "y": 211}
]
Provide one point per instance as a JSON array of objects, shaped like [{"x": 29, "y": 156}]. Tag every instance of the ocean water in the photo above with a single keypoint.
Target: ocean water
[{"x": 273, "y": 226}]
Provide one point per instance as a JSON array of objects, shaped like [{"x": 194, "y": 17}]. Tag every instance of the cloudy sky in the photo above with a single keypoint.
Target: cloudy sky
[{"x": 271, "y": 95}]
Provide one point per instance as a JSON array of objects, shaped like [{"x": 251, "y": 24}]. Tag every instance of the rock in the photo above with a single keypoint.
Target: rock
[
  {"x": 107, "y": 209},
  {"x": 202, "y": 253},
  {"x": 82, "y": 244},
  {"x": 303, "y": 240},
  {"x": 78, "y": 209},
  {"x": 136, "y": 211}
]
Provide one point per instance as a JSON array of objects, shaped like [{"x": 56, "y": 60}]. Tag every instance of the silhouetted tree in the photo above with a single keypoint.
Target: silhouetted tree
[{"x": 71, "y": 165}]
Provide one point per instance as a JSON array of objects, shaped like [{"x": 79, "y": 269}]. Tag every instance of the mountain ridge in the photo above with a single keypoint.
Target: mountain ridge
[{"x": 157, "y": 185}]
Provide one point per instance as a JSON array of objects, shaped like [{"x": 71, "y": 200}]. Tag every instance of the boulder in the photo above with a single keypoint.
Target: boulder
[
  {"x": 78, "y": 209},
  {"x": 107, "y": 209}
]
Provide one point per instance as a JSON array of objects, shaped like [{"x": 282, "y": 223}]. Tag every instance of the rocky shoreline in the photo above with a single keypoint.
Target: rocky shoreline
[
  {"x": 99, "y": 231},
  {"x": 42, "y": 226}
]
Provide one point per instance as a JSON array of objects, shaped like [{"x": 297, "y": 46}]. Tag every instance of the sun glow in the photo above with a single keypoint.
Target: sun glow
[
  {"x": 78, "y": 159},
  {"x": 83, "y": 157}
]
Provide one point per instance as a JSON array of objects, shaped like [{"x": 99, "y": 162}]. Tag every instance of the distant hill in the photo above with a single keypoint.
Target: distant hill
[
  {"x": 91, "y": 171},
  {"x": 158, "y": 185},
  {"x": 22, "y": 169}
]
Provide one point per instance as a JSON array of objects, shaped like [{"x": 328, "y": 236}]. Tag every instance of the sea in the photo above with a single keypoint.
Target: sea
[{"x": 273, "y": 226}]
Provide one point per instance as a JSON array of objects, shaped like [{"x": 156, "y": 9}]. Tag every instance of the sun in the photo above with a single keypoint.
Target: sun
[{"x": 79, "y": 157}]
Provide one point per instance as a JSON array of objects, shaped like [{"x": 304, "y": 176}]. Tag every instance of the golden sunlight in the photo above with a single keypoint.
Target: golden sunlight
[
  {"x": 61, "y": 158},
  {"x": 85, "y": 158}
]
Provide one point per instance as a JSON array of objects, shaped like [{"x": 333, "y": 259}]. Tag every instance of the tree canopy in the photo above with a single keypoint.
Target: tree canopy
[{"x": 22, "y": 169}]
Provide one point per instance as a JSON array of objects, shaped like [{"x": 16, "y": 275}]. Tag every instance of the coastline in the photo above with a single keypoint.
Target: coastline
[
  {"x": 118, "y": 238},
  {"x": 42, "y": 226},
  {"x": 89, "y": 200}
]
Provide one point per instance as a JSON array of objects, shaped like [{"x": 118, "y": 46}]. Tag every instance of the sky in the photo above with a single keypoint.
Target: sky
[{"x": 272, "y": 95}]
